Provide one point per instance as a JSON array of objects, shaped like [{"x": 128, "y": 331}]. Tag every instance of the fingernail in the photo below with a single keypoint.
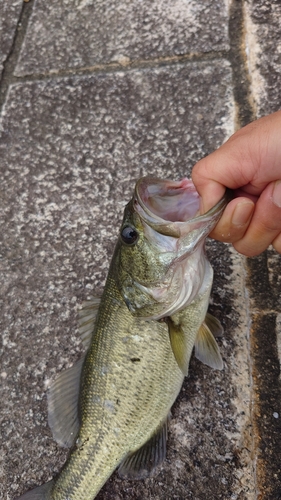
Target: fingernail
[
  {"x": 242, "y": 213},
  {"x": 276, "y": 195}
]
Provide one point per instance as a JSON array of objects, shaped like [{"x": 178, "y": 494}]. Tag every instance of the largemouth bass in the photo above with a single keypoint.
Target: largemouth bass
[{"x": 112, "y": 407}]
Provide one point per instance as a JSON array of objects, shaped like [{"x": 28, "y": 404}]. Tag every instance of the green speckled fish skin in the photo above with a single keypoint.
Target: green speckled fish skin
[
  {"x": 130, "y": 381},
  {"x": 153, "y": 306}
]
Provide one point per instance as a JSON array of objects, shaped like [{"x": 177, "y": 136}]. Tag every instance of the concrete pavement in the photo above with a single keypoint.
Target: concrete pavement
[{"x": 93, "y": 95}]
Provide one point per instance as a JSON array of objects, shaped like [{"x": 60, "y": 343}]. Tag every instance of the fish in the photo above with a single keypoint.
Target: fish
[{"x": 112, "y": 407}]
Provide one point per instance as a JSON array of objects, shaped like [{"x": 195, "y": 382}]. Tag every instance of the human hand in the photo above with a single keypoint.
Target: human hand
[{"x": 250, "y": 164}]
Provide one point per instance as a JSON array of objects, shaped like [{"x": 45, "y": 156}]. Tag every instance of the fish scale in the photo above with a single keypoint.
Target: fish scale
[
  {"x": 141, "y": 401},
  {"x": 112, "y": 407}
]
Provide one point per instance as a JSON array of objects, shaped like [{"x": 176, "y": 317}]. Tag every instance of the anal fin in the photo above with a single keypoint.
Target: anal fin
[{"x": 141, "y": 463}]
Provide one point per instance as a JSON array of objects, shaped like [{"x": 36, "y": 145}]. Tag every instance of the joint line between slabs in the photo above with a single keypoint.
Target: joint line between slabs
[
  {"x": 113, "y": 67},
  {"x": 11, "y": 60}
]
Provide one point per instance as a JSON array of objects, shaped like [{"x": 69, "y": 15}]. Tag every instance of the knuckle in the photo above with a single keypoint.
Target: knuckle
[
  {"x": 270, "y": 227},
  {"x": 270, "y": 224},
  {"x": 247, "y": 248}
]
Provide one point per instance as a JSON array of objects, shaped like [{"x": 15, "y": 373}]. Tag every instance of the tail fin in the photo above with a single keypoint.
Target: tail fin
[{"x": 39, "y": 493}]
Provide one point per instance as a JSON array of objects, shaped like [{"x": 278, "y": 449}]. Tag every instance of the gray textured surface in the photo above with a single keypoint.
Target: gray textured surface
[
  {"x": 263, "y": 30},
  {"x": 71, "y": 149},
  {"x": 79, "y": 33},
  {"x": 9, "y": 17},
  {"x": 70, "y": 160},
  {"x": 264, "y": 42}
]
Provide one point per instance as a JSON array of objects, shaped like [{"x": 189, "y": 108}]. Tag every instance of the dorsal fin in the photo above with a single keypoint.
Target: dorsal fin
[
  {"x": 63, "y": 395},
  {"x": 87, "y": 317},
  {"x": 63, "y": 399},
  {"x": 206, "y": 348},
  {"x": 38, "y": 493},
  {"x": 141, "y": 463}
]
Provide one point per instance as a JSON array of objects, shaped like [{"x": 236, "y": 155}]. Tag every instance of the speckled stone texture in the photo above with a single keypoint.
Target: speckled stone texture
[
  {"x": 263, "y": 28},
  {"x": 83, "y": 33},
  {"x": 71, "y": 148},
  {"x": 264, "y": 46},
  {"x": 9, "y": 16}
]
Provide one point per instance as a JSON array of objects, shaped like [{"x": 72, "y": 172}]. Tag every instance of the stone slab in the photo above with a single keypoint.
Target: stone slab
[
  {"x": 9, "y": 17},
  {"x": 263, "y": 28},
  {"x": 84, "y": 33},
  {"x": 264, "y": 292},
  {"x": 71, "y": 149},
  {"x": 263, "y": 31}
]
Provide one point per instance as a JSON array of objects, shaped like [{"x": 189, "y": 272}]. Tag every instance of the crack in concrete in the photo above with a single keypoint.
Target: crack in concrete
[
  {"x": 12, "y": 58},
  {"x": 251, "y": 369},
  {"x": 245, "y": 109},
  {"x": 261, "y": 319},
  {"x": 127, "y": 65}
]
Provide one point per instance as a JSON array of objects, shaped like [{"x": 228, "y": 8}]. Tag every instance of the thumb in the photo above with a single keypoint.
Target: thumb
[
  {"x": 210, "y": 190},
  {"x": 249, "y": 159}
]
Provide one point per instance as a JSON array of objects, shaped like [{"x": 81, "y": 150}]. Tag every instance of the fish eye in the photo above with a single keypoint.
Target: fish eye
[{"x": 129, "y": 235}]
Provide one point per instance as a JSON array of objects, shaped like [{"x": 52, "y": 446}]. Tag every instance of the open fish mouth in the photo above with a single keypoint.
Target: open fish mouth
[
  {"x": 174, "y": 235},
  {"x": 175, "y": 201},
  {"x": 172, "y": 208}
]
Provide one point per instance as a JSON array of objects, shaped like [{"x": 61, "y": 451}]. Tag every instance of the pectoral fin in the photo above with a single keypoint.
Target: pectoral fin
[
  {"x": 206, "y": 348},
  {"x": 141, "y": 463},
  {"x": 179, "y": 345}
]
